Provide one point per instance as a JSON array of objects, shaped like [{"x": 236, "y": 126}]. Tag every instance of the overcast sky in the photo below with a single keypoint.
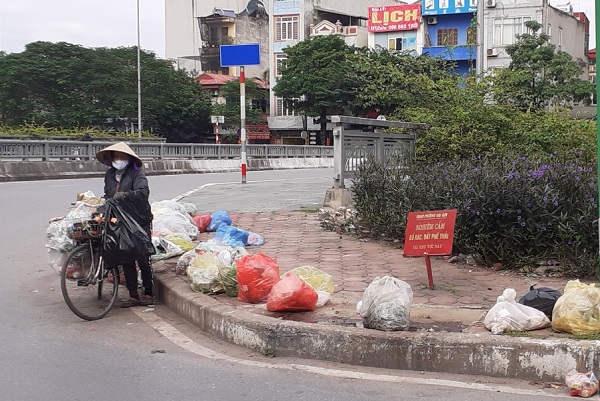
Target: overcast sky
[
  {"x": 112, "y": 23},
  {"x": 90, "y": 23}
]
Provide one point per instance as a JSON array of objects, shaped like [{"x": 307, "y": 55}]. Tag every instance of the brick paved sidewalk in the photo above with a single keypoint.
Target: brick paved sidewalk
[{"x": 295, "y": 238}]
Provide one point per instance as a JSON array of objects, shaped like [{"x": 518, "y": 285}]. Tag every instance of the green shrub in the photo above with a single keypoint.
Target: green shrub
[
  {"x": 32, "y": 131},
  {"x": 481, "y": 129},
  {"x": 514, "y": 210}
]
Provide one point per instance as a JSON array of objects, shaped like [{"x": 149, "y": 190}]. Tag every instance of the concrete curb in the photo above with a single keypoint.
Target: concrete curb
[
  {"x": 464, "y": 353},
  {"x": 39, "y": 170}
]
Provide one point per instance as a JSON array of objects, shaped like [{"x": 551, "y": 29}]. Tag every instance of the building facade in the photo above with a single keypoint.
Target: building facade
[
  {"x": 505, "y": 20},
  {"x": 225, "y": 27},
  {"x": 451, "y": 32},
  {"x": 183, "y": 39},
  {"x": 293, "y": 21}
]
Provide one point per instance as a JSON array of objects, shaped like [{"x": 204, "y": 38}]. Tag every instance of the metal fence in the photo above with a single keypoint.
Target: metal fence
[
  {"x": 31, "y": 150},
  {"x": 353, "y": 144}
]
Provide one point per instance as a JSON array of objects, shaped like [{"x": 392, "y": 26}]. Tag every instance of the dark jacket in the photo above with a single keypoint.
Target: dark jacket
[{"x": 135, "y": 186}]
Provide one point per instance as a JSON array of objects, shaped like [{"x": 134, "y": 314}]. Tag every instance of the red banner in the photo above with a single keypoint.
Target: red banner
[
  {"x": 429, "y": 233},
  {"x": 394, "y": 18}
]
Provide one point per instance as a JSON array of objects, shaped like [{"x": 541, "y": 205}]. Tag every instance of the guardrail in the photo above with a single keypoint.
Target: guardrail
[
  {"x": 353, "y": 144},
  {"x": 29, "y": 150}
]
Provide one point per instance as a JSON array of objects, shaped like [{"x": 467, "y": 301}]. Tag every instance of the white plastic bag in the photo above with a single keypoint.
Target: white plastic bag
[
  {"x": 172, "y": 222},
  {"x": 508, "y": 315},
  {"x": 386, "y": 304}
]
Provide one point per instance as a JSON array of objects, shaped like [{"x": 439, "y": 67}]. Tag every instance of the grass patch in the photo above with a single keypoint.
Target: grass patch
[
  {"x": 585, "y": 336},
  {"x": 517, "y": 333}
]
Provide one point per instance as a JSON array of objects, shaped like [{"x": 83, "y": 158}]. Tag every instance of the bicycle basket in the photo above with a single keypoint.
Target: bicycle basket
[{"x": 84, "y": 230}]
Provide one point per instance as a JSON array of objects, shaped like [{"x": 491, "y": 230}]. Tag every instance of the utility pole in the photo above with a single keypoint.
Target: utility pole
[
  {"x": 139, "y": 74},
  {"x": 481, "y": 52}
]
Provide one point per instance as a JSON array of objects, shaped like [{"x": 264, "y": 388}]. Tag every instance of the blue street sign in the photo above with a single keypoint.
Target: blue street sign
[{"x": 240, "y": 55}]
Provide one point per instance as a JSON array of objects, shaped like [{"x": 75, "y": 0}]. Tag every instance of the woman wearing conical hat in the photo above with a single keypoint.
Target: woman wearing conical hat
[{"x": 125, "y": 181}]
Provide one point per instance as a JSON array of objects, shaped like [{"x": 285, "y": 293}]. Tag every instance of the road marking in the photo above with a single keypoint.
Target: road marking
[
  {"x": 201, "y": 187},
  {"x": 183, "y": 341}
]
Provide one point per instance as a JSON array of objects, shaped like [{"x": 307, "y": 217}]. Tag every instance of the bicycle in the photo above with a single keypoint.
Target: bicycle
[{"x": 84, "y": 277}]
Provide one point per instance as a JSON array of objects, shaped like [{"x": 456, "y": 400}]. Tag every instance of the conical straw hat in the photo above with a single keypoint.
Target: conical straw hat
[{"x": 105, "y": 156}]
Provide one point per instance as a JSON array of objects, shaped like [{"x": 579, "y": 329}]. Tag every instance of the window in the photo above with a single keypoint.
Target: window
[
  {"x": 280, "y": 60},
  {"x": 283, "y": 108},
  {"x": 286, "y": 28},
  {"x": 259, "y": 104},
  {"x": 549, "y": 30},
  {"x": 398, "y": 44},
  {"x": 560, "y": 37},
  {"x": 593, "y": 81},
  {"x": 405, "y": 42},
  {"x": 506, "y": 30},
  {"x": 447, "y": 37}
]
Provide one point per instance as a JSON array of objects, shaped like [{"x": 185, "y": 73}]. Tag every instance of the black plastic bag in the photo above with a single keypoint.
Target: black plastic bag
[
  {"x": 542, "y": 299},
  {"x": 124, "y": 240}
]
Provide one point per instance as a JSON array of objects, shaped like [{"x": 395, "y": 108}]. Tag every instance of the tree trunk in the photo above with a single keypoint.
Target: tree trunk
[{"x": 321, "y": 138}]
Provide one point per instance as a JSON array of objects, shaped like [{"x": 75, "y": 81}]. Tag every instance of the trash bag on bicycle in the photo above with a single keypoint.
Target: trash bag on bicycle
[{"x": 124, "y": 240}]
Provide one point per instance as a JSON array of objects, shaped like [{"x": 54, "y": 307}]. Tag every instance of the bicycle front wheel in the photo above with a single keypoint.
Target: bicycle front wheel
[{"x": 89, "y": 290}]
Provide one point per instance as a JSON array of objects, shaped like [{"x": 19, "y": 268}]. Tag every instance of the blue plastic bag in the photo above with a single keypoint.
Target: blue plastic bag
[
  {"x": 232, "y": 236},
  {"x": 217, "y": 218}
]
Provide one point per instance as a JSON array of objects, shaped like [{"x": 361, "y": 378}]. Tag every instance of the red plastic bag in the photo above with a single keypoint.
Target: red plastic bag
[
  {"x": 202, "y": 221},
  {"x": 256, "y": 275},
  {"x": 292, "y": 294}
]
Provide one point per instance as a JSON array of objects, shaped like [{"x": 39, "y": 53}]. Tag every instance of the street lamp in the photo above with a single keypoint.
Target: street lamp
[{"x": 139, "y": 74}]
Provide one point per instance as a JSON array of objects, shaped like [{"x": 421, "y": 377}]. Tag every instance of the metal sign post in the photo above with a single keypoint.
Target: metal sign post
[
  {"x": 216, "y": 120},
  {"x": 241, "y": 56}
]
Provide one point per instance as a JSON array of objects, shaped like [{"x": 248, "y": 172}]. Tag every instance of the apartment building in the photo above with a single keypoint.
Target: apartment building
[
  {"x": 293, "y": 21},
  {"x": 451, "y": 32},
  {"x": 506, "y": 19}
]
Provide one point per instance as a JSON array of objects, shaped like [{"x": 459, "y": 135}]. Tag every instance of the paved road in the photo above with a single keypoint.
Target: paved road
[{"x": 46, "y": 353}]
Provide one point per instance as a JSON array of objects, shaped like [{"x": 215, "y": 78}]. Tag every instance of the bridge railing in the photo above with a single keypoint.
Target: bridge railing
[
  {"x": 353, "y": 144},
  {"x": 44, "y": 150}
]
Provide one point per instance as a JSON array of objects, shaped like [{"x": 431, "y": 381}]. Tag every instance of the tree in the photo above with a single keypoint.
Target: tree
[
  {"x": 389, "y": 81},
  {"x": 255, "y": 97},
  {"x": 538, "y": 76},
  {"x": 316, "y": 78},
  {"x": 66, "y": 86}
]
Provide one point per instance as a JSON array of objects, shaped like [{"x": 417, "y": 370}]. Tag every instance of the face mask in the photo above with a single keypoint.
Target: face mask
[{"x": 120, "y": 164}]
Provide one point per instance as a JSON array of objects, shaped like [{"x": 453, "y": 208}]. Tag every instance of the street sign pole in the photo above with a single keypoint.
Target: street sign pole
[
  {"x": 216, "y": 120},
  {"x": 243, "y": 120},
  {"x": 241, "y": 56}
]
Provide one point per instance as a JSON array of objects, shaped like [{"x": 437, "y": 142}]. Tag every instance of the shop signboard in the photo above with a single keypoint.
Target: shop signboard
[{"x": 405, "y": 17}]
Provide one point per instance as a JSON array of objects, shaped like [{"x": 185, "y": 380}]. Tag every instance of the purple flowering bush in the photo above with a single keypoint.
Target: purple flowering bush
[{"x": 514, "y": 210}]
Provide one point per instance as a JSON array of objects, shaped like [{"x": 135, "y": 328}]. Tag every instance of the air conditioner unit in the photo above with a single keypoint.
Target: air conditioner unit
[
  {"x": 492, "y": 52},
  {"x": 431, "y": 20},
  {"x": 491, "y": 3}
]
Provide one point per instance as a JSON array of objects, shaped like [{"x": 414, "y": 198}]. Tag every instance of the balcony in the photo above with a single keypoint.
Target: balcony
[{"x": 456, "y": 53}]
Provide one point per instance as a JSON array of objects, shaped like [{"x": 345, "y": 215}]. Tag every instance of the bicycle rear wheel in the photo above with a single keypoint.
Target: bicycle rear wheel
[{"x": 89, "y": 290}]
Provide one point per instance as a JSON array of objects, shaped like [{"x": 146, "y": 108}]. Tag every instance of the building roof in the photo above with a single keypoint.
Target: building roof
[{"x": 215, "y": 81}]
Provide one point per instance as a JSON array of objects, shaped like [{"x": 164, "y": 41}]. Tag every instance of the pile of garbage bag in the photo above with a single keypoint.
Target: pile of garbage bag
[
  {"x": 509, "y": 315},
  {"x": 175, "y": 227},
  {"x": 220, "y": 264},
  {"x": 58, "y": 242},
  {"x": 576, "y": 310}
]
